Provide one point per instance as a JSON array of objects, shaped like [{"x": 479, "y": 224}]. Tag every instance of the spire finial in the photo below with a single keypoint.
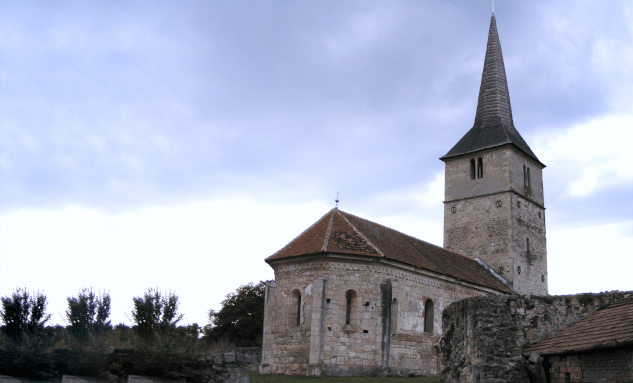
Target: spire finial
[
  {"x": 493, "y": 7},
  {"x": 336, "y": 200}
]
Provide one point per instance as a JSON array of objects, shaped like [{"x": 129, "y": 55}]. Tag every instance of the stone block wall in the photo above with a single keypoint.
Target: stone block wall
[
  {"x": 386, "y": 330},
  {"x": 529, "y": 268},
  {"x": 483, "y": 337},
  {"x": 609, "y": 366},
  {"x": 249, "y": 357},
  {"x": 503, "y": 171},
  {"x": 482, "y": 228},
  {"x": 493, "y": 218},
  {"x": 458, "y": 183}
]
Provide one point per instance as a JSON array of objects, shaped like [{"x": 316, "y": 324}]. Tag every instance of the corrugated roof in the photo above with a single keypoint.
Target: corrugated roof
[
  {"x": 493, "y": 121},
  {"x": 609, "y": 327},
  {"x": 344, "y": 233}
]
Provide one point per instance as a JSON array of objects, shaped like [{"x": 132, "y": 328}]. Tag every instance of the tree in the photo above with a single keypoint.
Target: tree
[
  {"x": 88, "y": 313},
  {"x": 23, "y": 313},
  {"x": 155, "y": 313},
  {"x": 241, "y": 319}
]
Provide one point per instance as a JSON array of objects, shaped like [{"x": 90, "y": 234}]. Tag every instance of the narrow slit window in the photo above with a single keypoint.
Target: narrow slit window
[
  {"x": 529, "y": 182},
  {"x": 294, "y": 309},
  {"x": 472, "y": 169},
  {"x": 299, "y": 310},
  {"x": 394, "y": 315},
  {"x": 349, "y": 302},
  {"x": 527, "y": 245},
  {"x": 428, "y": 316},
  {"x": 524, "y": 177},
  {"x": 480, "y": 168}
]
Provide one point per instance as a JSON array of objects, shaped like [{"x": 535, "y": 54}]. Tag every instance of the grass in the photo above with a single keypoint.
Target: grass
[{"x": 256, "y": 378}]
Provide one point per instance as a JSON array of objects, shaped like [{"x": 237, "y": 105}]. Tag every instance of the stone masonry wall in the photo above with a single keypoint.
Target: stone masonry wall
[
  {"x": 370, "y": 345},
  {"x": 493, "y": 218},
  {"x": 503, "y": 171},
  {"x": 532, "y": 190},
  {"x": 530, "y": 265},
  {"x": 459, "y": 185},
  {"x": 609, "y": 366},
  {"x": 482, "y": 228},
  {"x": 483, "y": 337}
]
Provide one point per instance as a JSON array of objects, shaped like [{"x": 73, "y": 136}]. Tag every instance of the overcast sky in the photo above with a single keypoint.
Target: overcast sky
[{"x": 178, "y": 144}]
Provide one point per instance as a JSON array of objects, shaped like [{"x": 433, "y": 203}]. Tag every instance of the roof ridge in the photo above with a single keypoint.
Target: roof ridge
[
  {"x": 410, "y": 236},
  {"x": 590, "y": 338},
  {"x": 303, "y": 232},
  {"x": 329, "y": 231},
  {"x": 363, "y": 236}
]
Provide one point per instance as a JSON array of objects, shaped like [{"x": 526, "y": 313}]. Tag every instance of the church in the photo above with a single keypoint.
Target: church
[{"x": 353, "y": 297}]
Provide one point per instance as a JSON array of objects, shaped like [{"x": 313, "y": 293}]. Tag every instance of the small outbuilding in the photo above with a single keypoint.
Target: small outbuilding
[{"x": 599, "y": 348}]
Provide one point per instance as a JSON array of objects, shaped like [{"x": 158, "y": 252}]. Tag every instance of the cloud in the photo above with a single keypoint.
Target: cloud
[
  {"x": 590, "y": 259},
  {"x": 200, "y": 250},
  {"x": 594, "y": 155},
  {"x": 122, "y": 110}
]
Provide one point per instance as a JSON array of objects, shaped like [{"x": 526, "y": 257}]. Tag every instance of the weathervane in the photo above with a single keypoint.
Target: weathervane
[{"x": 336, "y": 200}]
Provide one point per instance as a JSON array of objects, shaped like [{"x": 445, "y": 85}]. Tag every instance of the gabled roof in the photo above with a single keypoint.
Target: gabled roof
[
  {"x": 609, "y": 327},
  {"x": 493, "y": 121},
  {"x": 344, "y": 233}
]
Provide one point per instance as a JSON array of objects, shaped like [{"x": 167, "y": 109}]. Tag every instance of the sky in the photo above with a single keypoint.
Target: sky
[{"x": 176, "y": 145}]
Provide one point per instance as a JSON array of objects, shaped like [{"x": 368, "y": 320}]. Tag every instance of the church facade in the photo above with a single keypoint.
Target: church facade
[{"x": 353, "y": 297}]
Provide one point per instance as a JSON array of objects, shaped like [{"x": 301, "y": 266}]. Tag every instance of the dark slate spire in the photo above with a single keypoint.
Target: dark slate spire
[{"x": 493, "y": 121}]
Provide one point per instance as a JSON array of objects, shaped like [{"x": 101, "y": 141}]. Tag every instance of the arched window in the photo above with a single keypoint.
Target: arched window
[
  {"x": 480, "y": 168},
  {"x": 294, "y": 309},
  {"x": 350, "y": 296},
  {"x": 394, "y": 315},
  {"x": 472, "y": 169},
  {"x": 428, "y": 316}
]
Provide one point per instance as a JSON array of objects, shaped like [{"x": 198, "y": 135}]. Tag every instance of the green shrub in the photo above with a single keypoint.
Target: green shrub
[
  {"x": 155, "y": 314},
  {"x": 23, "y": 313},
  {"x": 88, "y": 313},
  {"x": 241, "y": 319}
]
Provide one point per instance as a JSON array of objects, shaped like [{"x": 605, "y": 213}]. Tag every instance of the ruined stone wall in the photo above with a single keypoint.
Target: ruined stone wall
[
  {"x": 483, "y": 337},
  {"x": 493, "y": 218},
  {"x": 370, "y": 344},
  {"x": 609, "y": 365}
]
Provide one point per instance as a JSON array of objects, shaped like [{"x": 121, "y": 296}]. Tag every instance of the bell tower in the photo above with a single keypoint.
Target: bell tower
[{"x": 494, "y": 208}]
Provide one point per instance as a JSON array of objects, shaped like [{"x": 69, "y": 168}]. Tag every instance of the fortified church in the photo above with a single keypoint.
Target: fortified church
[{"x": 353, "y": 297}]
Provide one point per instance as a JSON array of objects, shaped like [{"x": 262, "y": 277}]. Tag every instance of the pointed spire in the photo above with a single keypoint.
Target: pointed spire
[
  {"x": 493, "y": 120},
  {"x": 493, "y": 106}
]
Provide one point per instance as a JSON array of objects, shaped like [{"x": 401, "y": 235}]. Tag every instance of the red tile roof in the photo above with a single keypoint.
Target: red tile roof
[
  {"x": 344, "y": 233},
  {"x": 609, "y": 327}
]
